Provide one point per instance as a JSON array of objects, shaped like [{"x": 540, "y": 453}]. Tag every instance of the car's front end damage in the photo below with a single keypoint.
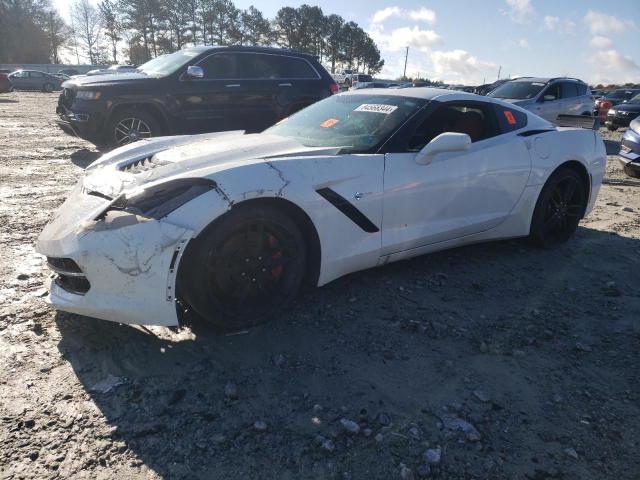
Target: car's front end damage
[
  {"x": 112, "y": 264},
  {"x": 629, "y": 155},
  {"x": 115, "y": 245},
  {"x": 112, "y": 245}
]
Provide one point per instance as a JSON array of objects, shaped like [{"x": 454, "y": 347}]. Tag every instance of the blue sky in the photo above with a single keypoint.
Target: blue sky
[{"x": 466, "y": 41}]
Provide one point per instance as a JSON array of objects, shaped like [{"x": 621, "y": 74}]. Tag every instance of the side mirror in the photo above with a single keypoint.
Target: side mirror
[
  {"x": 548, "y": 98},
  {"x": 445, "y": 142},
  {"x": 193, "y": 71}
]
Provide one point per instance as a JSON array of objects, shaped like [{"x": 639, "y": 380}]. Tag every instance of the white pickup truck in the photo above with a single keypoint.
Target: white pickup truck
[{"x": 347, "y": 78}]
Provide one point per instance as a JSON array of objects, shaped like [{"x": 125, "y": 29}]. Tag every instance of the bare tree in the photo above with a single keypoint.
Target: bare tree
[
  {"x": 88, "y": 24},
  {"x": 112, "y": 26}
]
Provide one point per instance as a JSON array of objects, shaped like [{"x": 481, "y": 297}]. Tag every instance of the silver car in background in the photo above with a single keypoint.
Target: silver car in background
[{"x": 547, "y": 97}]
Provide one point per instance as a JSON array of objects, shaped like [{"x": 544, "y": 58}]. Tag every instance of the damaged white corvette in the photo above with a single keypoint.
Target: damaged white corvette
[{"x": 232, "y": 224}]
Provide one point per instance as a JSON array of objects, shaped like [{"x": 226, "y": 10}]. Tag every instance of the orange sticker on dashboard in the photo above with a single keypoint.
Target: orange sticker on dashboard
[
  {"x": 510, "y": 118},
  {"x": 329, "y": 123}
]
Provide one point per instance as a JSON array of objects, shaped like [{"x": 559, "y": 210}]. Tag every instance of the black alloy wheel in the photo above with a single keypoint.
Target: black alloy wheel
[
  {"x": 245, "y": 268},
  {"x": 560, "y": 207}
]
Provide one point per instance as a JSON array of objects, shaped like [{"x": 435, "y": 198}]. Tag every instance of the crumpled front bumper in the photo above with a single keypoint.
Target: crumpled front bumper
[{"x": 130, "y": 262}]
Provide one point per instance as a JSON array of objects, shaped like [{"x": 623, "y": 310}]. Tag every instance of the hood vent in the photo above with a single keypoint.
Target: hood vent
[{"x": 143, "y": 165}]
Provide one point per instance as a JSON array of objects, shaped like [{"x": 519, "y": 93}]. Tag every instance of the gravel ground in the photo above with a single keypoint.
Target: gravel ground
[{"x": 495, "y": 361}]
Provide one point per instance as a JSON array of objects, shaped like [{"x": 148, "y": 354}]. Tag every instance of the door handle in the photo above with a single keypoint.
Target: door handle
[
  {"x": 284, "y": 85},
  {"x": 358, "y": 195},
  {"x": 232, "y": 85}
]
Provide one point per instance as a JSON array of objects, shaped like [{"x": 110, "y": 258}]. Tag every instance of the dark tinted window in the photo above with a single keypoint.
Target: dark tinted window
[
  {"x": 582, "y": 89},
  {"x": 470, "y": 118},
  {"x": 555, "y": 90},
  {"x": 258, "y": 66},
  {"x": 220, "y": 65},
  {"x": 518, "y": 90},
  {"x": 36, "y": 74},
  {"x": 569, "y": 90},
  {"x": 509, "y": 119},
  {"x": 290, "y": 67}
]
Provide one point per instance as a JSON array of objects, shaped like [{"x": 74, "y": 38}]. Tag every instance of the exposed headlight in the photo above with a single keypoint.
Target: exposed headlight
[
  {"x": 160, "y": 200},
  {"x": 88, "y": 94},
  {"x": 611, "y": 111}
]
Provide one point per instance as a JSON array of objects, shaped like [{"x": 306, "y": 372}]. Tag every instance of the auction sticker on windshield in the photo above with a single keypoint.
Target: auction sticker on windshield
[
  {"x": 329, "y": 123},
  {"x": 377, "y": 108}
]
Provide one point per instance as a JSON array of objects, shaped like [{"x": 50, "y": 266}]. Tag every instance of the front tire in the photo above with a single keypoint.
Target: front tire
[
  {"x": 129, "y": 126},
  {"x": 560, "y": 207},
  {"x": 48, "y": 87},
  {"x": 244, "y": 268}
]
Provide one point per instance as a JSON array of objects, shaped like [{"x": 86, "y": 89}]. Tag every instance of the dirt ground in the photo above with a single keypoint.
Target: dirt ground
[{"x": 495, "y": 361}]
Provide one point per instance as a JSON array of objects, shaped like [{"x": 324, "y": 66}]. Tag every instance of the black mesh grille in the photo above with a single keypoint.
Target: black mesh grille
[
  {"x": 63, "y": 264},
  {"x": 78, "y": 285}
]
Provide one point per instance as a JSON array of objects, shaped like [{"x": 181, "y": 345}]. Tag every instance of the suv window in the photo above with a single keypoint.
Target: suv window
[
  {"x": 471, "y": 118},
  {"x": 220, "y": 66},
  {"x": 36, "y": 74},
  {"x": 258, "y": 66},
  {"x": 291, "y": 67},
  {"x": 555, "y": 90},
  {"x": 569, "y": 90},
  {"x": 20, "y": 74},
  {"x": 582, "y": 89},
  {"x": 509, "y": 119}
]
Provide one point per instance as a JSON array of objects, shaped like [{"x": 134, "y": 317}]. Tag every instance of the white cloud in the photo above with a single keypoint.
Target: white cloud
[
  {"x": 601, "y": 43},
  {"x": 382, "y": 15},
  {"x": 523, "y": 43},
  {"x": 519, "y": 10},
  {"x": 423, "y": 15},
  {"x": 602, "y": 23},
  {"x": 459, "y": 66},
  {"x": 606, "y": 62},
  {"x": 555, "y": 23},
  {"x": 402, "y": 37}
]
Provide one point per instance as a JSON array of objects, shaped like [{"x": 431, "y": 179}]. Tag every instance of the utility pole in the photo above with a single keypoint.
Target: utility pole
[
  {"x": 406, "y": 56},
  {"x": 499, "y": 70}
]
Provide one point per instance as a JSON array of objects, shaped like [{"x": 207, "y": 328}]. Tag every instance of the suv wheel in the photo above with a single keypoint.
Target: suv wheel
[
  {"x": 130, "y": 126},
  {"x": 48, "y": 87}
]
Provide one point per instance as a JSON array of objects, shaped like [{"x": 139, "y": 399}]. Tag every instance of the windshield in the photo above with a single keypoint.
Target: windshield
[
  {"x": 518, "y": 90},
  {"x": 167, "y": 64},
  {"x": 635, "y": 99},
  {"x": 359, "y": 123}
]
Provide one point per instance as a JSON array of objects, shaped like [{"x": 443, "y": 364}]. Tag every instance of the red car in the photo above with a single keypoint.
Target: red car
[{"x": 5, "y": 83}]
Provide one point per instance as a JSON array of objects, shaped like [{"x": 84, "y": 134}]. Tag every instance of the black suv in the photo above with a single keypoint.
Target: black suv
[{"x": 196, "y": 90}]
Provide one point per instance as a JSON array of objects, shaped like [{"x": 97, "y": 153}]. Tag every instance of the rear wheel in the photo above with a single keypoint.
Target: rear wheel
[
  {"x": 560, "y": 207},
  {"x": 129, "y": 126},
  {"x": 48, "y": 87},
  {"x": 244, "y": 268}
]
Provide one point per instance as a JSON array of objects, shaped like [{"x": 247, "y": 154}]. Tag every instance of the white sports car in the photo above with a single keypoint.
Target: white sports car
[{"x": 232, "y": 224}]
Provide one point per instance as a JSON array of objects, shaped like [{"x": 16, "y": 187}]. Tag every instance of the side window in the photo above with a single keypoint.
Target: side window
[
  {"x": 554, "y": 90},
  {"x": 291, "y": 67},
  {"x": 21, "y": 74},
  {"x": 220, "y": 66},
  {"x": 582, "y": 89},
  {"x": 36, "y": 74},
  {"x": 471, "y": 118},
  {"x": 509, "y": 119},
  {"x": 569, "y": 90},
  {"x": 257, "y": 66}
]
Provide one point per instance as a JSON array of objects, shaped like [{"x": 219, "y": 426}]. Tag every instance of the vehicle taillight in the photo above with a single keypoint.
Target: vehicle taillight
[
  {"x": 606, "y": 105},
  {"x": 334, "y": 88}
]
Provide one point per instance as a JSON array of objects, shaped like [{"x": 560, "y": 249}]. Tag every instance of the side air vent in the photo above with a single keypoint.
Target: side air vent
[{"x": 143, "y": 165}]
